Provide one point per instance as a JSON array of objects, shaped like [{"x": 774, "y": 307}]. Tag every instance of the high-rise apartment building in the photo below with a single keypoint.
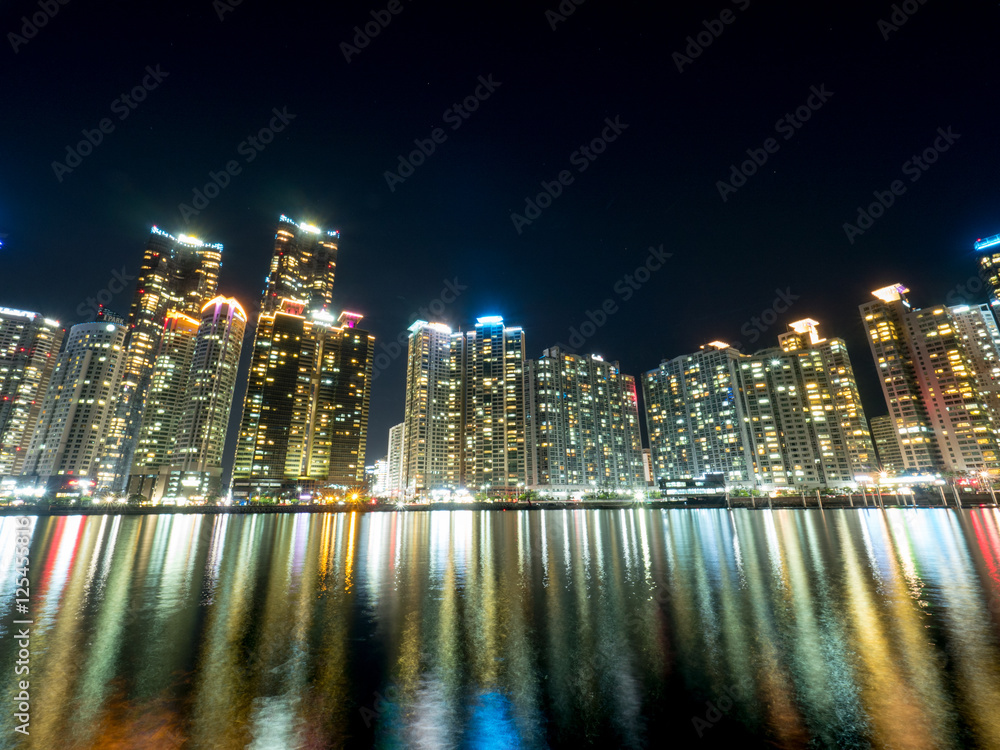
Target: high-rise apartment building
[
  {"x": 804, "y": 414},
  {"x": 936, "y": 366},
  {"x": 79, "y": 406},
  {"x": 887, "y": 336},
  {"x": 464, "y": 427},
  {"x": 196, "y": 458},
  {"x": 305, "y": 416},
  {"x": 488, "y": 366},
  {"x": 582, "y": 425},
  {"x": 886, "y": 440},
  {"x": 183, "y": 431},
  {"x": 431, "y": 450},
  {"x": 787, "y": 417},
  {"x": 177, "y": 273},
  {"x": 395, "y": 458},
  {"x": 165, "y": 402},
  {"x": 29, "y": 349},
  {"x": 696, "y": 421}
]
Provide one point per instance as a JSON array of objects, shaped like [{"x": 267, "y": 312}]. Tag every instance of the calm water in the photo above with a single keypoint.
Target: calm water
[{"x": 475, "y": 629}]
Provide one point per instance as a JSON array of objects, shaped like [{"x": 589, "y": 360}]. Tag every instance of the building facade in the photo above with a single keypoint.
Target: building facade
[
  {"x": 76, "y": 415},
  {"x": 696, "y": 421},
  {"x": 464, "y": 426},
  {"x": 29, "y": 349},
  {"x": 183, "y": 432},
  {"x": 394, "y": 456},
  {"x": 886, "y": 440},
  {"x": 177, "y": 273},
  {"x": 788, "y": 417},
  {"x": 937, "y": 366},
  {"x": 431, "y": 448},
  {"x": 488, "y": 365},
  {"x": 582, "y": 425},
  {"x": 305, "y": 415},
  {"x": 804, "y": 413},
  {"x": 303, "y": 266}
]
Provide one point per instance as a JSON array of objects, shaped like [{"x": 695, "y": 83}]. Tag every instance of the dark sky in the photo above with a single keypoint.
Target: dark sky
[{"x": 656, "y": 183}]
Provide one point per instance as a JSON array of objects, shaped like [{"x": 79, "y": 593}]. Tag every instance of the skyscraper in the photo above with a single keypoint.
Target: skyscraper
[
  {"x": 787, "y": 417},
  {"x": 78, "y": 406},
  {"x": 305, "y": 416},
  {"x": 395, "y": 459},
  {"x": 582, "y": 425},
  {"x": 431, "y": 449},
  {"x": 165, "y": 402},
  {"x": 804, "y": 413},
  {"x": 695, "y": 418},
  {"x": 192, "y": 388},
  {"x": 29, "y": 348},
  {"x": 465, "y": 409},
  {"x": 177, "y": 273},
  {"x": 303, "y": 266},
  {"x": 196, "y": 457},
  {"x": 936, "y": 366},
  {"x": 487, "y": 364}
]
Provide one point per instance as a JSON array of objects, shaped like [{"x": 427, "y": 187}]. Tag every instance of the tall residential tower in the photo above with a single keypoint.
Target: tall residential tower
[
  {"x": 937, "y": 366},
  {"x": 177, "y": 273},
  {"x": 582, "y": 424},
  {"x": 74, "y": 423},
  {"x": 29, "y": 348}
]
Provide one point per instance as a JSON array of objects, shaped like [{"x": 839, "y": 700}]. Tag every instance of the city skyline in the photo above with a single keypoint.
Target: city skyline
[{"x": 325, "y": 297}]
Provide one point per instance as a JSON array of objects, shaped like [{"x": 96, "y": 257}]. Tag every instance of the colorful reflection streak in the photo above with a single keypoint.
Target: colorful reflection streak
[{"x": 498, "y": 629}]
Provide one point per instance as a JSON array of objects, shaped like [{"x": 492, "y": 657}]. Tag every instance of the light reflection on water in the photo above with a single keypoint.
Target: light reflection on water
[{"x": 626, "y": 628}]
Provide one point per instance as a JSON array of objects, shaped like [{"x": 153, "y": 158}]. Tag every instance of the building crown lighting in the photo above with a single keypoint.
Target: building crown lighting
[
  {"x": 890, "y": 293},
  {"x": 982, "y": 244},
  {"x": 185, "y": 239},
  {"x": 312, "y": 229},
  {"x": 807, "y": 325},
  {"x": 221, "y": 300}
]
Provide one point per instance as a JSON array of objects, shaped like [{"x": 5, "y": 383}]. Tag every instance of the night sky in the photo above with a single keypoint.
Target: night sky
[{"x": 553, "y": 91}]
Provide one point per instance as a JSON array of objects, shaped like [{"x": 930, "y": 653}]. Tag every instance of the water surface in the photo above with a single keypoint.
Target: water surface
[{"x": 486, "y": 629}]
